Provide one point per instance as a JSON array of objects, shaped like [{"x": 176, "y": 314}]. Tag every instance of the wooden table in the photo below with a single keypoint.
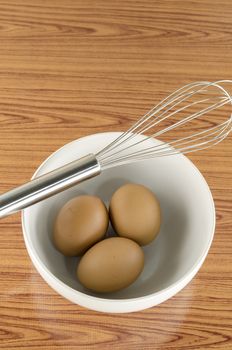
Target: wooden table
[{"x": 69, "y": 68}]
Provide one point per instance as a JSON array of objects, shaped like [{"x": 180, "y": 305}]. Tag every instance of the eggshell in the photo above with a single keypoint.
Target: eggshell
[
  {"x": 80, "y": 223},
  {"x": 135, "y": 213},
  {"x": 111, "y": 265}
]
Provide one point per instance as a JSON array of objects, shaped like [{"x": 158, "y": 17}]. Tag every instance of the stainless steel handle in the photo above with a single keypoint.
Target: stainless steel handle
[{"x": 49, "y": 184}]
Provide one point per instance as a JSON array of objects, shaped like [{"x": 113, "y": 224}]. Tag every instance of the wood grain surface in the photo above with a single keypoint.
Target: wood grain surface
[{"x": 70, "y": 68}]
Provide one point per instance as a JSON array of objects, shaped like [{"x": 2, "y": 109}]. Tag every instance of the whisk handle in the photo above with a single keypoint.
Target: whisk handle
[{"x": 49, "y": 184}]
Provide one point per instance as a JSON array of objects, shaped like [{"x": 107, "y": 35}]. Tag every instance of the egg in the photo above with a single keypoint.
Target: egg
[
  {"x": 135, "y": 213},
  {"x": 80, "y": 223},
  {"x": 111, "y": 265}
]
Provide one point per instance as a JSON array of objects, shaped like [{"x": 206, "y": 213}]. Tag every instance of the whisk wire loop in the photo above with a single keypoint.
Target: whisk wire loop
[{"x": 187, "y": 103}]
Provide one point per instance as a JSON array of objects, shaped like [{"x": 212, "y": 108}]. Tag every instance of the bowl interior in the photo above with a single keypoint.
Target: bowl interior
[{"x": 187, "y": 211}]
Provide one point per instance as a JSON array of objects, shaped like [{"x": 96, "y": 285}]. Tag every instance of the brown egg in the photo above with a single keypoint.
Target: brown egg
[
  {"x": 111, "y": 265},
  {"x": 81, "y": 222},
  {"x": 135, "y": 213}
]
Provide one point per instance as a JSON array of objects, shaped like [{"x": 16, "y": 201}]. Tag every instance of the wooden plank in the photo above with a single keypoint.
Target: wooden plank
[{"x": 71, "y": 68}]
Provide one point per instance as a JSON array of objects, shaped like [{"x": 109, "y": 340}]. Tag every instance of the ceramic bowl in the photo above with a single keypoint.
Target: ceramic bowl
[{"x": 171, "y": 261}]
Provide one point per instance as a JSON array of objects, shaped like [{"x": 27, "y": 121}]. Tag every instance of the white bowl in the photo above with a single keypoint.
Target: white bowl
[{"x": 171, "y": 261}]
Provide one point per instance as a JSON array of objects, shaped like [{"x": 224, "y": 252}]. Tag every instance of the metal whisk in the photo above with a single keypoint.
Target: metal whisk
[{"x": 174, "y": 115}]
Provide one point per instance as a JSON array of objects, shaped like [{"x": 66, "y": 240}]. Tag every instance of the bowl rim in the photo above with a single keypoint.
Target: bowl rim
[{"x": 192, "y": 271}]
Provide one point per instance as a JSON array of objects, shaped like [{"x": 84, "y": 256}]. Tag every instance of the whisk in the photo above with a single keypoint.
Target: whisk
[{"x": 174, "y": 115}]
